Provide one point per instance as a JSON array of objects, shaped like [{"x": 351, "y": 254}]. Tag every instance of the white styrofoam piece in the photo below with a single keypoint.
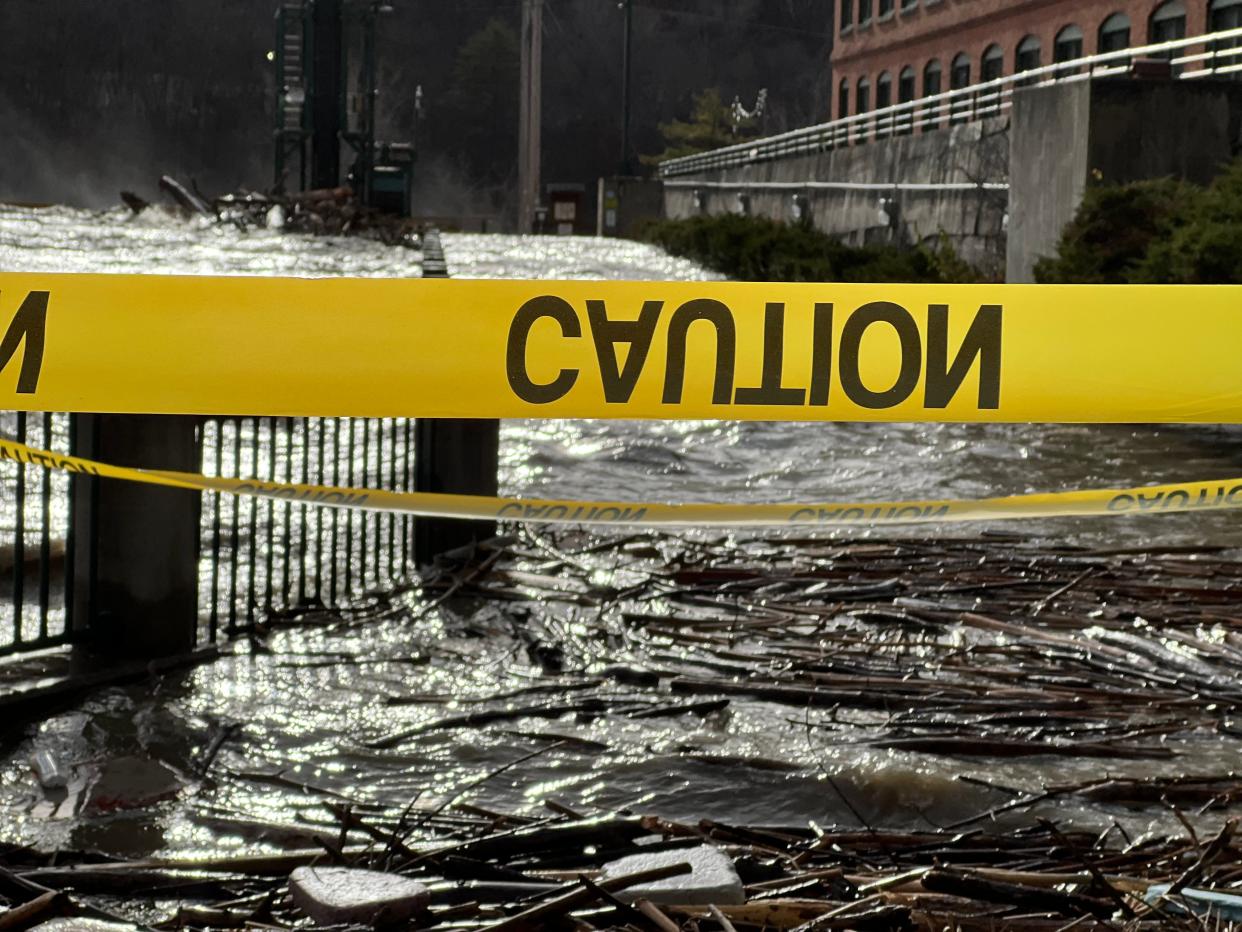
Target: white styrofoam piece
[
  {"x": 335, "y": 895},
  {"x": 712, "y": 878},
  {"x": 75, "y": 924}
]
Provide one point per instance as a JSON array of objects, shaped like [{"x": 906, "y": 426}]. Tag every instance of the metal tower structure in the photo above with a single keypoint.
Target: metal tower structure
[{"x": 327, "y": 85}]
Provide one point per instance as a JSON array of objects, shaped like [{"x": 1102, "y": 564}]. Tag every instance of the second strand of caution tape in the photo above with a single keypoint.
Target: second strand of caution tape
[{"x": 1210, "y": 495}]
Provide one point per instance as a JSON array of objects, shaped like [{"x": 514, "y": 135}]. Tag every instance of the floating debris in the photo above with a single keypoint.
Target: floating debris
[
  {"x": 343, "y": 895},
  {"x": 971, "y": 650},
  {"x": 325, "y": 212}
]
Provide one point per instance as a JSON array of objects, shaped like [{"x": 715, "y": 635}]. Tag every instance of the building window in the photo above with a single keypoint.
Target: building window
[
  {"x": 905, "y": 94},
  {"x": 847, "y": 14},
  {"x": 1225, "y": 14},
  {"x": 864, "y": 12},
  {"x": 1115, "y": 36},
  {"x": 909, "y": 6},
  {"x": 862, "y": 96},
  {"x": 959, "y": 77},
  {"x": 931, "y": 87},
  {"x": 1168, "y": 23},
  {"x": 991, "y": 67},
  {"x": 886, "y": 9},
  {"x": 1066, "y": 47},
  {"x": 862, "y": 104},
  {"x": 1027, "y": 58},
  {"x": 883, "y": 99},
  {"x": 843, "y": 100}
]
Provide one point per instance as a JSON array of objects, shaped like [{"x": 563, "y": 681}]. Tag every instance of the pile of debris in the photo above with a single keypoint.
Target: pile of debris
[
  {"x": 327, "y": 212},
  {"x": 968, "y": 648},
  {"x": 979, "y": 649},
  {"x": 498, "y": 873}
]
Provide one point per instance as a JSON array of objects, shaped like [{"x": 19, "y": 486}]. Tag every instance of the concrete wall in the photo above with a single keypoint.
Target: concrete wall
[
  {"x": 1050, "y": 156},
  {"x": 1109, "y": 131},
  {"x": 973, "y": 219}
]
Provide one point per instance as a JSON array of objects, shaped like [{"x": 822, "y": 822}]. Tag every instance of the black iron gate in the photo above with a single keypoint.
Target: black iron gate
[{"x": 35, "y": 558}]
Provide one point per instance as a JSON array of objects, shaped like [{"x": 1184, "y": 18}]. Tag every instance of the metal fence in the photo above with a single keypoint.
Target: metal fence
[
  {"x": 34, "y": 538},
  {"x": 260, "y": 556},
  {"x": 1209, "y": 55},
  {"x": 257, "y": 557}
]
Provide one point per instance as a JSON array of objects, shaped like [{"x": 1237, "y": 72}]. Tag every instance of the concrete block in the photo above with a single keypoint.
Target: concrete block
[
  {"x": 339, "y": 895},
  {"x": 712, "y": 878}
]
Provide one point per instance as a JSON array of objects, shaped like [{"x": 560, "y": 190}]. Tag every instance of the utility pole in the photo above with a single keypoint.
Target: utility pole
[
  {"x": 627, "y": 167},
  {"x": 530, "y": 121}
]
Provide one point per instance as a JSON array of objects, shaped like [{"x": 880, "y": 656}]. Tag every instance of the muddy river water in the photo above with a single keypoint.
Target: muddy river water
[{"x": 300, "y": 722}]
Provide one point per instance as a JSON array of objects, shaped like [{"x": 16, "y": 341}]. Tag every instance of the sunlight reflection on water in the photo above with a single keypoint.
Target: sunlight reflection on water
[{"x": 306, "y": 720}]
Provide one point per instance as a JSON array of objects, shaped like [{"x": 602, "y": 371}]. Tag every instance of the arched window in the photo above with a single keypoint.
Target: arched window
[
  {"x": 905, "y": 94},
  {"x": 991, "y": 67},
  {"x": 959, "y": 77},
  {"x": 864, "y": 12},
  {"x": 1167, "y": 23},
  {"x": 1066, "y": 47},
  {"x": 1068, "y": 44},
  {"x": 847, "y": 14},
  {"x": 992, "y": 64},
  {"x": 905, "y": 85},
  {"x": 883, "y": 98},
  {"x": 931, "y": 87},
  {"x": 1026, "y": 58},
  {"x": 843, "y": 99},
  {"x": 1115, "y": 35},
  {"x": 1226, "y": 14},
  {"x": 862, "y": 104}
]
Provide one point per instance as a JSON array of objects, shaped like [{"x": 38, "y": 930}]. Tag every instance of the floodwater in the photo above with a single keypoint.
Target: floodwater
[{"x": 302, "y": 711}]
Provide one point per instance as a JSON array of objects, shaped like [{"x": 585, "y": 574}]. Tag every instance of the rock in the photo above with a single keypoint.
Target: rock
[
  {"x": 75, "y": 924},
  {"x": 712, "y": 878},
  {"x": 339, "y": 895}
]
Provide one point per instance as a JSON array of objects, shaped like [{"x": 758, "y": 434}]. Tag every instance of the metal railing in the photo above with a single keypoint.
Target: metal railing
[
  {"x": 258, "y": 557},
  {"x": 34, "y": 538},
  {"x": 261, "y": 557},
  {"x": 840, "y": 185},
  {"x": 1216, "y": 53}
]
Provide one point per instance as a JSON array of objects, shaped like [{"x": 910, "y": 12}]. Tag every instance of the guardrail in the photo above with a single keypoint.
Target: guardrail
[{"x": 1222, "y": 55}]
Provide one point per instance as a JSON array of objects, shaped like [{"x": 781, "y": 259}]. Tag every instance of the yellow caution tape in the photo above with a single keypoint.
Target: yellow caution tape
[
  {"x": 427, "y": 348},
  {"x": 1212, "y": 495}
]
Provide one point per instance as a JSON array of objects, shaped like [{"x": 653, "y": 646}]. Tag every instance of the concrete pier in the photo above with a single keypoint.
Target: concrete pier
[{"x": 1108, "y": 131}]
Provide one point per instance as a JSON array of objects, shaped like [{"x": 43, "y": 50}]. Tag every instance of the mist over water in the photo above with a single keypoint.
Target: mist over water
[{"x": 306, "y": 719}]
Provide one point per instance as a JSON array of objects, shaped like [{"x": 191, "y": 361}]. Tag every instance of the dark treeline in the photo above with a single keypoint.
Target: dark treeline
[{"x": 96, "y": 97}]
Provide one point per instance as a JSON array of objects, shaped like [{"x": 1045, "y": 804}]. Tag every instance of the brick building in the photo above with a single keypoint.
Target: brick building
[{"x": 891, "y": 51}]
